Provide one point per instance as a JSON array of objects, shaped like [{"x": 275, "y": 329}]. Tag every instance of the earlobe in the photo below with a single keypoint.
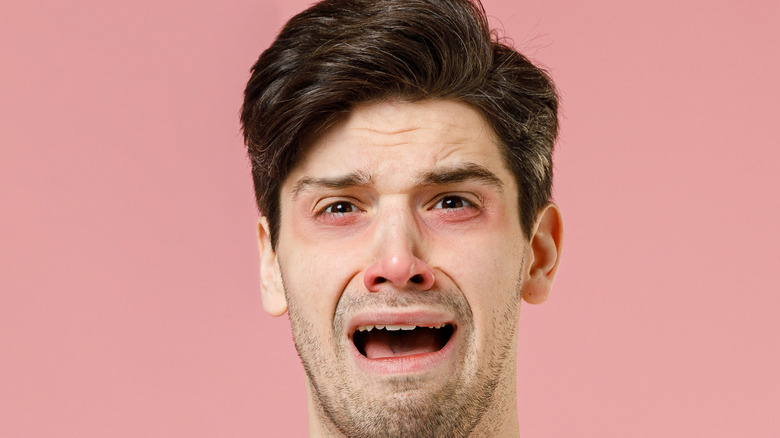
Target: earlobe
[
  {"x": 271, "y": 288},
  {"x": 545, "y": 251}
]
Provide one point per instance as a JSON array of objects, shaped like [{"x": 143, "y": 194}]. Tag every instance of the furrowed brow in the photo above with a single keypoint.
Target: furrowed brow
[
  {"x": 462, "y": 173},
  {"x": 354, "y": 179}
]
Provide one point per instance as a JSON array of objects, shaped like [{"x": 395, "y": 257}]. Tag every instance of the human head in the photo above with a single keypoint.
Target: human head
[
  {"x": 341, "y": 53},
  {"x": 402, "y": 163}
]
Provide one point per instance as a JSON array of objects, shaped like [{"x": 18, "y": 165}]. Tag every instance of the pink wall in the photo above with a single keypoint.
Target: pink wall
[{"x": 129, "y": 301}]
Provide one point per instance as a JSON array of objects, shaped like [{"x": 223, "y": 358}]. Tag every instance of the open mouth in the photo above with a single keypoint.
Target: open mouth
[{"x": 389, "y": 341}]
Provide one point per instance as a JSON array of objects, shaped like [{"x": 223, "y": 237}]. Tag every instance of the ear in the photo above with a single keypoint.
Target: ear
[
  {"x": 271, "y": 288},
  {"x": 545, "y": 251}
]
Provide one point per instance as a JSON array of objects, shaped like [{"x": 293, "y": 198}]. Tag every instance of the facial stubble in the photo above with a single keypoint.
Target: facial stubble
[{"x": 452, "y": 410}]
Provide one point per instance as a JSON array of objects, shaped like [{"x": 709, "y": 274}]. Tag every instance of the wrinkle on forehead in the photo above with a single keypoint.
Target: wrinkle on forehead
[
  {"x": 431, "y": 138},
  {"x": 394, "y": 123},
  {"x": 390, "y": 132},
  {"x": 399, "y": 138}
]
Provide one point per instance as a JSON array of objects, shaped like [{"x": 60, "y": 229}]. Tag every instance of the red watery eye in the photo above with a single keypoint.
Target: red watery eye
[
  {"x": 452, "y": 202},
  {"x": 453, "y": 208},
  {"x": 338, "y": 213},
  {"x": 341, "y": 207}
]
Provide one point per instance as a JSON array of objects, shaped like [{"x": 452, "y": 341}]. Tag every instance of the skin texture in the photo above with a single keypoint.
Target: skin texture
[{"x": 407, "y": 207}]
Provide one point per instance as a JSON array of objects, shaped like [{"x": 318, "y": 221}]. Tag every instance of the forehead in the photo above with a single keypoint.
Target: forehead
[{"x": 391, "y": 140}]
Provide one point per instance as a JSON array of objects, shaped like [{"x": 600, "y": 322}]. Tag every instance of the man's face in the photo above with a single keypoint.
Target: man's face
[{"x": 403, "y": 214}]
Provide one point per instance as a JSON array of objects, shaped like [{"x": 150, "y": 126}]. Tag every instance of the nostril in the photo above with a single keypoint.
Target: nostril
[{"x": 411, "y": 273}]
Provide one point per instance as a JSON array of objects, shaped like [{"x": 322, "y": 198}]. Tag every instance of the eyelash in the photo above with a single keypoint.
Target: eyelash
[
  {"x": 324, "y": 210},
  {"x": 466, "y": 202}
]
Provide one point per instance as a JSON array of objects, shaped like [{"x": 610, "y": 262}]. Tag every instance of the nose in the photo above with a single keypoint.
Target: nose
[{"x": 397, "y": 241}]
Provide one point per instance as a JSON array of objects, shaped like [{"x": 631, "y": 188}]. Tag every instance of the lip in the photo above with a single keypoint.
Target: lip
[{"x": 415, "y": 363}]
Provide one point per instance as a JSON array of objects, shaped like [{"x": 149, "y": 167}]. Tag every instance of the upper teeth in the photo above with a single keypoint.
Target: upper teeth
[{"x": 364, "y": 328}]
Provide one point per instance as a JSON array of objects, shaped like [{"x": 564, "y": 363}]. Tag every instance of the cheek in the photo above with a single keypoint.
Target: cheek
[
  {"x": 318, "y": 267},
  {"x": 488, "y": 255},
  {"x": 487, "y": 269},
  {"x": 493, "y": 272}
]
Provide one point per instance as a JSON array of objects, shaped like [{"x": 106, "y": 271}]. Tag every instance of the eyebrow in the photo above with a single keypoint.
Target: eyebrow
[
  {"x": 354, "y": 179},
  {"x": 437, "y": 177},
  {"x": 460, "y": 173}
]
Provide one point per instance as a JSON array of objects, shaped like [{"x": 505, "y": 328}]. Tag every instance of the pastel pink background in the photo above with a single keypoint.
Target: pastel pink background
[{"x": 129, "y": 300}]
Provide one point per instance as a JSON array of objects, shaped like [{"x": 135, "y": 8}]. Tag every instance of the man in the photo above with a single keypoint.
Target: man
[{"x": 402, "y": 165}]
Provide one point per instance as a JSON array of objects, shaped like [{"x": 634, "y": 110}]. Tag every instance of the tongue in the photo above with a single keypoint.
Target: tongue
[{"x": 382, "y": 343}]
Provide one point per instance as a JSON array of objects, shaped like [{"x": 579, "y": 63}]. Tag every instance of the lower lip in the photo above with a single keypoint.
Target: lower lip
[{"x": 414, "y": 363}]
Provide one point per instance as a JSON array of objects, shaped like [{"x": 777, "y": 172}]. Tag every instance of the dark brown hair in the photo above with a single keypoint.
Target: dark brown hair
[{"x": 339, "y": 53}]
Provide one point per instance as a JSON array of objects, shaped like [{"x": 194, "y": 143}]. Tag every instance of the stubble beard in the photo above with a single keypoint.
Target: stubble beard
[{"x": 453, "y": 410}]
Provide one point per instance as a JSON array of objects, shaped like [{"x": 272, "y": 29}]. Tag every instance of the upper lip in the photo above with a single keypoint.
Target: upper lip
[{"x": 420, "y": 318}]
